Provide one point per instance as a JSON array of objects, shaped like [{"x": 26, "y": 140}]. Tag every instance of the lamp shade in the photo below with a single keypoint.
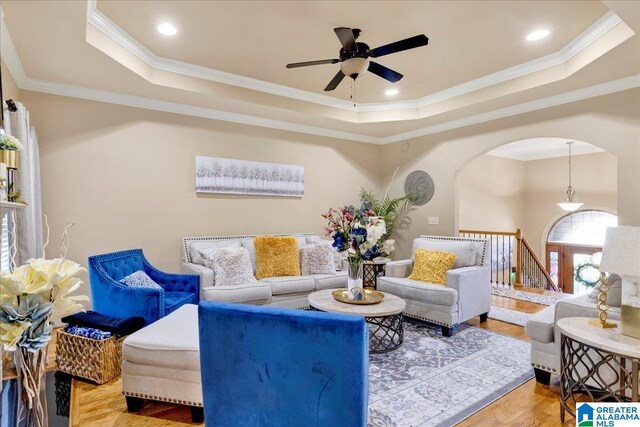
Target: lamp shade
[{"x": 621, "y": 252}]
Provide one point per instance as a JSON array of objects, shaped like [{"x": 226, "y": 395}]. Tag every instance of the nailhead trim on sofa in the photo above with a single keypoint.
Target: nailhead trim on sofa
[
  {"x": 413, "y": 316},
  {"x": 186, "y": 241},
  {"x": 462, "y": 239},
  {"x": 546, "y": 368},
  {"x": 161, "y": 399}
]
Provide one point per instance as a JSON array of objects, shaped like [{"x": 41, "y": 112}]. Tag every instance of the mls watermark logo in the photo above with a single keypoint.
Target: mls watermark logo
[{"x": 608, "y": 415}]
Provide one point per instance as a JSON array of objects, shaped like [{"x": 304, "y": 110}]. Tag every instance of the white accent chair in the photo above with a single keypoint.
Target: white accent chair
[
  {"x": 545, "y": 337},
  {"x": 466, "y": 294}
]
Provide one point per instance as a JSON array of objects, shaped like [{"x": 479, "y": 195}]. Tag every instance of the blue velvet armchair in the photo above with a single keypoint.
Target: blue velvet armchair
[
  {"x": 267, "y": 366},
  {"x": 112, "y": 298}
]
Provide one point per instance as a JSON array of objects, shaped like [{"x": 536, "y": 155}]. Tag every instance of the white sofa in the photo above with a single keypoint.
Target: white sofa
[
  {"x": 290, "y": 291},
  {"x": 466, "y": 294}
]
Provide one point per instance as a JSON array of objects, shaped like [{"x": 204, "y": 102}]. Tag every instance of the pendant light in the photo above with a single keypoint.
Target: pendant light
[{"x": 569, "y": 204}]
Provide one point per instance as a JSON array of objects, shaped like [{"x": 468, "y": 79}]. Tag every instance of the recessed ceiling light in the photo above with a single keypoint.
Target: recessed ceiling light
[
  {"x": 537, "y": 35},
  {"x": 167, "y": 29},
  {"x": 391, "y": 92}
]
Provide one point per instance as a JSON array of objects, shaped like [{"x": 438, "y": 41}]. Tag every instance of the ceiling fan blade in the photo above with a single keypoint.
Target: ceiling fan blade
[
  {"x": 384, "y": 72},
  {"x": 346, "y": 37},
  {"x": 334, "y": 82},
  {"x": 399, "y": 46},
  {"x": 319, "y": 62}
]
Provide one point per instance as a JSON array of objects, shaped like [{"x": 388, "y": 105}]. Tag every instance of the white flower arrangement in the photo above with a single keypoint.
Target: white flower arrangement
[
  {"x": 35, "y": 293},
  {"x": 10, "y": 143}
]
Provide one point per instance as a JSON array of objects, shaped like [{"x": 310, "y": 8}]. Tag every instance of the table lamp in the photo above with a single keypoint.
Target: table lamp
[
  {"x": 621, "y": 255},
  {"x": 603, "y": 288}
]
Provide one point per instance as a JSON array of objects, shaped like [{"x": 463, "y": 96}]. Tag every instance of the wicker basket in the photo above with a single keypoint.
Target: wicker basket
[{"x": 96, "y": 360}]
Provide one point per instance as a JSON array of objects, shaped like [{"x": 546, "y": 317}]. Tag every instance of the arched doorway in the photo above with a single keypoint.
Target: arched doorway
[{"x": 570, "y": 243}]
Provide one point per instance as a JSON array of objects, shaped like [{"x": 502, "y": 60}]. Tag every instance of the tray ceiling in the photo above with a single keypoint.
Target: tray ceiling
[{"x": 227, "y": 60}]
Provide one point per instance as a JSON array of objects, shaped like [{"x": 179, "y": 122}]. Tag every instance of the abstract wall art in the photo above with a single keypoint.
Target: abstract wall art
[{"x": 230, "y": 176}]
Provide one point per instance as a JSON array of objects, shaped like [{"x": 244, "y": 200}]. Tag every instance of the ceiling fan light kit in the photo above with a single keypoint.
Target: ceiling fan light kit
[
  {"x": 354, "y": 67},
  {"x": 354, "y": 57}
]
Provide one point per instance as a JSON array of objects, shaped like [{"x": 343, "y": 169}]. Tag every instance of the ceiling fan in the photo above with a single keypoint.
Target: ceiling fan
[{"x": 354, "y": 56}]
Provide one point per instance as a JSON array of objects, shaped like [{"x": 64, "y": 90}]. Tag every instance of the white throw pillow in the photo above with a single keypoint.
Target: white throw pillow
[
  {"x": 337, "y": 258},
  {"x": 317, "y": 258},
  {"x": 140, "y": 279},
  {"x": 196, "y": 247},
  {"x": 465, "y": 251},
  {"x": 231, "y": 266}
]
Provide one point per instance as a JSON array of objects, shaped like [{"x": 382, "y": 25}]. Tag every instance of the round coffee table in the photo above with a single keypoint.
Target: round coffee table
[{"x": 384, "y": 319}]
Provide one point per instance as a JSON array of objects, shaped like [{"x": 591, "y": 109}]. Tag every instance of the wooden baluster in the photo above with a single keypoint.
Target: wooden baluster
[
  {"x": 510, "y": 263},
  {"x": 519, "y": 256},
  {"x": 503, "y": 260}
]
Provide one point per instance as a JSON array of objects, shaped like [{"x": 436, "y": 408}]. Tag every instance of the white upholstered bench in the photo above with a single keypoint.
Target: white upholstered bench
[{"x": 162, "y": 362}]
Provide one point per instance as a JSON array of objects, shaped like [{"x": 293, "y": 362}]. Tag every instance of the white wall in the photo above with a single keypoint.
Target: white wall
[
  {"x": 525, "y": 193},
  {"x": 491, "y": 193},
  {"x": 611, "y": 122},
  {"x": 126, "y": 177}
]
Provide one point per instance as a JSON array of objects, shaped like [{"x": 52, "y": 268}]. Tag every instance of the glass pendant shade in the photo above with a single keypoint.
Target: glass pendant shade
[
  {"x": 354, "y": 66},
  {"x": 570, "y": 206}
]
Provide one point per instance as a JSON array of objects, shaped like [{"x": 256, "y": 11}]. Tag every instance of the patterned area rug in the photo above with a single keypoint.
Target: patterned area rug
[
  {"x": 509, "y": 316},
  {"x": 528, "y": 296},
  {"x": 436, "y": 381}
]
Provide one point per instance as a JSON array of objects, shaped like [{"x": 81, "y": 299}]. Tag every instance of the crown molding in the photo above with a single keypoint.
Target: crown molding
[
  {"x": 100, "y": 21},
  {"x": 526, "y": 107},
  {"x": 208, "y": 113},
  {"x": 9, "y": 54},
  {"x": 117, "y": 34},
  {"x": 186, "y": 110},
  {"x": 13, "y": 63}
]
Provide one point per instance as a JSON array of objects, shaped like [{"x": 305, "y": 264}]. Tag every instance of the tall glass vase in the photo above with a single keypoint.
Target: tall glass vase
[
  {"x": 354, "y": 278},
  {"x": 31, "y": 376}
]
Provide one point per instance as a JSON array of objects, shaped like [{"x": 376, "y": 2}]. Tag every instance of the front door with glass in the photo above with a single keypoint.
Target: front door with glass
[{"x": 570, "y": 244}]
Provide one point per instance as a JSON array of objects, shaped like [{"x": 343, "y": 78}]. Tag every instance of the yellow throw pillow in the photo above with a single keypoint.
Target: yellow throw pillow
[
  {"x": 276, "y": 256},
  {"x": 432, "y": 266}
]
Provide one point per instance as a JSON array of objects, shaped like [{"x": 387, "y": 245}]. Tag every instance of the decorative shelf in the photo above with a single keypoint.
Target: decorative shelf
[{"x": 11, "y": 205}]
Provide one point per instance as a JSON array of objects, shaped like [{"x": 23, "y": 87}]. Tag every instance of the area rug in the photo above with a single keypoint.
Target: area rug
[
  {"x": 509, "y": 316},
  {"x": 436, "y": 381},
  {"x": 528, "y": 296}
]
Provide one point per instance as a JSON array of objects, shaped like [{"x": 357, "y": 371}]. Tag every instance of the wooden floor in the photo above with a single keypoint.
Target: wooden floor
[{"x": 531, "y": 404}]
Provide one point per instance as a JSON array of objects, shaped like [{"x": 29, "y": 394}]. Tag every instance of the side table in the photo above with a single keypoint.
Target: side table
[
  {"x": 371, "y": 270},
  {"x": 601, "y": 364}
]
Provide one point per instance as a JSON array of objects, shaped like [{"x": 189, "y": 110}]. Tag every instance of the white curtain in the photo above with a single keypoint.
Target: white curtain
[{"x": 29, "y": 220}]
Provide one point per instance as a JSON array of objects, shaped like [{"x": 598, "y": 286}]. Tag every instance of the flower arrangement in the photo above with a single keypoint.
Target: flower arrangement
[
  {"x": 32, "y": 295},
  {"x": 364, "y": 234},
  {"x": 10, "y": 143},
  {"x": 357, "y": 232}
]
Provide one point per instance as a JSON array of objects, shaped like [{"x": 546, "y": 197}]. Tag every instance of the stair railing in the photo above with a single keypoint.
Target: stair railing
[{"x": 513, "y": 261}]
